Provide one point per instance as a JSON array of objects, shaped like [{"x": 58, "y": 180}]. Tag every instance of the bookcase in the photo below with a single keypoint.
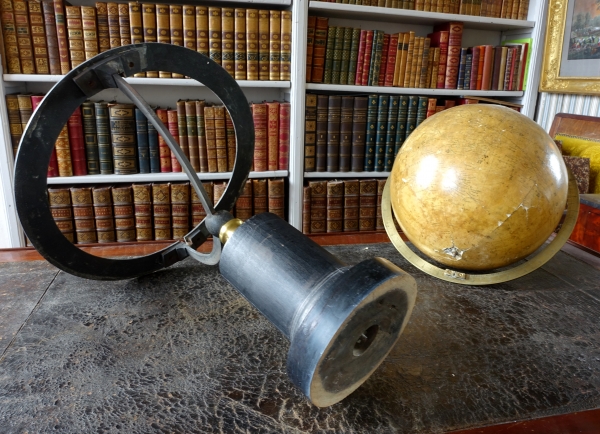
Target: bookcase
[{"x": 477, "y": 31}]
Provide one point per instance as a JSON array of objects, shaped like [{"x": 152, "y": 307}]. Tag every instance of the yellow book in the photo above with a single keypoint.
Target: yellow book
[
  {"x": 274, "y": 45},
  {"x": 252, "y": 44},
  {"x": 409, "y": 59},
  {"x": 240, "y": 44},
  {"x": 286, "y": 46},
  {"x": 227, "y": 41},
  {"x": 149, "y": 27},
  {"x": 202, "y": 45},
  {"x": 135, "y": 27},
  {"x": 176, "y": 28},
  {"x": 163, "y": 30},
  {"x": 214, "y": 33},
  {"x": 263, "y": 45}
]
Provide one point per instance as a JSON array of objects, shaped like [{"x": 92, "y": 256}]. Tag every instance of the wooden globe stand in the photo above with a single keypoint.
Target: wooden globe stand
[{"x": 465, "y": 278}]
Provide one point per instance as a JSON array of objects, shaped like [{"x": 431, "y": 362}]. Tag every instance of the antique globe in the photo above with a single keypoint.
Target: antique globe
[{"x": 478, "y": 187}]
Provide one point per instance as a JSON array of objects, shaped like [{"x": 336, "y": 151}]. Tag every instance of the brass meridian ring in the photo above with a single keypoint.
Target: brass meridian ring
[{"x": 465, "y": 278}]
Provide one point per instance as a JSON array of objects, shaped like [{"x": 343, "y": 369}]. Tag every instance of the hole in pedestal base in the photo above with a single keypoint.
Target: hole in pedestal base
[{"x": 365, "y": 340}]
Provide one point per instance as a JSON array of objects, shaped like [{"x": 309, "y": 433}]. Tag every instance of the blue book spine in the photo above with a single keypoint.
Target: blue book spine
[
  {"x": 141, "y": 128},
  {"x": 390, "y": 141},
  {"x": 401, "y": 123},
  {"x": 462, "y": 69},
  {"x": 467, "y": 80},
  {"x": 381, "y": 136},
  {"x": 153, "y": 151},
  {"x": 371, "y": 133},
  {"x": 411, "y": 119}
]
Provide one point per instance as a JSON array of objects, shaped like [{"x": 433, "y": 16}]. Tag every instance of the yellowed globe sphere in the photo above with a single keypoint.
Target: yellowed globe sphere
[{"x": 478, "y": 187}]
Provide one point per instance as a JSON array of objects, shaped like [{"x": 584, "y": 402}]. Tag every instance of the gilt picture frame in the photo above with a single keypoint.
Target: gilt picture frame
[{"x": 571, "y": 62}]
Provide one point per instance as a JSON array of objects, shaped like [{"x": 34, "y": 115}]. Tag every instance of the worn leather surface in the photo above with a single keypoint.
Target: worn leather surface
[{"x": 180, "y": 351}]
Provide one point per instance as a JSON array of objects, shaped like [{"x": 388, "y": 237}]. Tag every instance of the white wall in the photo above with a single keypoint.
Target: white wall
[{"x": 551, "y": 103}]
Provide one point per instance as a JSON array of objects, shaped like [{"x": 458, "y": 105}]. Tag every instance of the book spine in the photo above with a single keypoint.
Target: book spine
[
  {"x": 390, "y": 140},
  {"x": 345, "y": 59},
  {"x": 149, "y": 28},
  {"x": 411, "y": 117},
  {"x": 180, "y": 209},
  {"x": 416, "y": 63},
  {"x": 474, "y": 68},
  {"x": 25, "y": 108},
  {"x": 163, "y": 31},
  {"x": 391, "y": 60},
  {"x": 274, "y": 45},
  {"x": 103, "y": 214},
  {"x": 231, "y": 142},
  {"x": 243, "y": 204},
  {"x": 347, "y": 113},
  {"x": 142, "y": 210},
  {"x": 264, "y": 38},
  {"x": 454, "y": 45},
  {"x": 153, "y": 149},
  {"x": 211, "y": 144},
  {"x": 90, "y": 31},
  {"x": 102, "y": 27},
  {"x": 310, "y": 132},
  {"x": 62, "y": 211},
  {"x": 427, "y": 84},
  {"x": 188, "y": 131},
  {"x": 376, "y": 58},
  {"x": 75, "y": 128},
  {"x": 523, "y": 10},
  {"x": 161, "y": 210},
  {"x": 310, "y": 45},
  {"x": 163, "y": 149},
  {"x": 259, "y": 114},
  {"x": 329, "y": 54},
  {"x": 306, "y": 196},
  {"x": 260, "y": 196},
  {"x": 240, "y": 44},
  {"x": 367, "y": 204},
  {"x": 333, "y": 133},
  {"x": 421, "y": 110},
  {"x": 321, "y": 133},
  {"x": 422, "y": 73},
  {"x": 252, "y": 44},
  {"x": 276, "y": 197},
  {"x": 220, "y": 139},
  {"x": 384, "y": 59},
  {"x": 201, "y": 131},
  {"x": 272, "y": 135},
  {"x": 488, "y": 65},
  {"x": 174, "y": 130},
  {"x": 124, "y": 26},
  {"x": 378, "y": 215},
  {"x": 360, "y": 58},
  {"x": 90, "y": 137},
  {"x": 103, "y": 136},
  {"x": 318, "y": 207},
  {"x": 480, "y": 67},
  {"x": 320, "y": 46},
  {"x": 189, "y": 18},
  {"x": 460, "y": 83},
  {"x": 182, "y": 128},
  {"x": 61, "y": 34},
  {"x": 198, "y": 211},
  {"x": 370, "y": 137},
  {"x": 403, "y": 103},
  {"x": 23, "y": 30},
  {"x": 219, "y": 189},
  {"x": 38, "y": 38},
  {"x": 83, "y": 215},
  {"x": 143, "y": 150},
  {"x": 285, "y": 57},
  {"x": 381, "y": 134},
  {"x": 410, "y": 49},
  {"x": 122, "y": 132},
  {"x": 227, "y": 40},
  {"x": 114, "y": 31},
  {"x": 403, "y": 59},
  {"x": 431, "y": 107},
  {"x": 202, "y": 32},
  {"x": 214, "y": 35},
  {"x": 75, "y": 35},
  {"x": 508, "y": 75},
  {"x": 468, "y": 65},
  {"x": 9, "y": 34},
  {"x": 14, "y": 121},
  {"x": 359, "y": 124},
  {"x": 335, "y": 206},
  {"x": 351, "y": 205},
  {"x": 284, "y": 135},
  {"x": 122, "y": 198}
]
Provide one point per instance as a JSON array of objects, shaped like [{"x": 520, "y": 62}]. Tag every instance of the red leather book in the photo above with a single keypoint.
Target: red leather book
[
  {"x": 173, "y": 125},
  {"x": 367, "y": 60},
  {"x": 455, "y": 29},
  {"x": 163, "y": 148},
  {"x": 53, "y": 165},
  {"x": 310, "y": 44},
  {"x": 391, "y": 61},
  {"x": 259, "y": 114},
  {"x": 61, "y": 34},
  {"x": 75, "y": 127},
  {"x": 488, "y": 63},
  {"x": 474, "y": 69},
  {"x": 384, "y": 59},
  {"x": 318, "y": 56},
  {"x": 480, "y": 67},
  {"x": 276, "y": 197},
  {"x": 306, "y": 210},
  {"x": 440, "y": 40},
  {"x": 272, "y": 135},
  {"x": 431, "y": 106},
  {"x": 361, "y": 58},
  {"x": 284, "y": 135}
]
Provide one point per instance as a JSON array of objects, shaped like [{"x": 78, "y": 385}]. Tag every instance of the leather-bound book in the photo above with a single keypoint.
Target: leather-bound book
[
  {"x": 24, "y": 41},
  {"x": 431, "y": 106},
  {"x": 114, "y": 31},
  {"x": 142, "y": 209},
  {"x": 153, "y": 148},
  {"x": 367, "y": 204},
  {"x": 259, "y": 114},
  {"x": 14, "y": 121},
  {"x": 198, "y": 211},
  {"x": 163, "y": 149},
  {"x": 362, "y": 42},
  {"x": 455, "y": 32},
  {"x": 90, "y": 138},
  {"x": 90, "y": 31},
  {"x": 274, "y": 45},
  {"x": 187, "y": 109},
  {"x": 416, "y": 63},
  {"x": 189, "y": 27},
  {"x": 390, "y": 139},
  {"x": 180, "y": 209},
  {"x": 252, "y": 44},
  {"x": 310, "y": 132},
  {"x": 62, "y": 211},
  {"x": 149, "y": 27},
  {"x": 264, "y": 39},
  {"x": 383, "y": 64},
  {"x": 354, "y": 45},
  {"x": 174, "y": 130},
  {"x": 468, "y": 65},
  {"x": 25, "y": 109},
  {"x": 347, "y": 113},
  {"x": 378, "y": 217},
  {"x": 285, "y": 57},
  {"x": 272, "y": 135},
  {"x": 334, "y": 114},
  {"x": 201, "y": 135},
  {"x": 9, "y": 34},
  {"x": 359, "y": 126},
  {"x": 103, "y": 214},
  {"x": 381, "y": 134},
  {"x": 338, "y": 46},
  {"x": 122, "y": 132},
  {"x": 440, "y": 39},
  {"x": 410, "y": 48},
  {"x": 124, "y": 25},
  {"x": 75, "y": 34},
  {"x": 306, "y": 196},
  {"x": 240, "y": 71},
  {"x": 401, "y": 58},
  {"x": 474, "y": 68},
  {"x": 320, "y": 45},
  {"x": 161, "y": 210},
  {"x": 351, "y": 205},
  {"x": 488, "y": 65},
  {"x": 76, "y": 140},
  {"x": 367, "y": 58},
  {"x": 218, "y": 190},
  {"x": 38, "y": 38},
  {"x": 182, "y": 128},
  {"x": 375, "y": 68},
  {"x": 243, "y": 205},
  {"x": 322, "y": 121},
  {"x": 61, "y": 35},
  {"x": 124, "y": 215},
  {"x": 103, "y": 136},
  {"x": 411, "y": 117},
  {"x": 390, "y": 67},
  {"x": 211, "y": 143},
  {"x": 83, "y": 215},
  {"x": 231, "y": 141},
  {"x": 136, "y": 27},
  {"x": 220, "y": 138},
  {"x": 421, "y": 81},
  {"x": 276, "y": 197},
  {"x": 335, "y": 206},
  {"x": 163, "y": 31},
  {"x": 462, "y": 68},
  {"x": 227, "y": 40},
  {"x": 63, "y": 153},
  {"x": 143, "y": 150},
  {"x": 259, "y": 196},
  {"x": 310, "y": 45},
  {"x": 214, "y": 33},
  {"x": 523, "y": 10},
  {"x": 318, "y": 207},
  {"x": 480, "y": 67},
  {"x": 284, "y": 135},
  {"x": 176, "y": 33},
  {"x": 202, "y": 42},
  {"x": 102, "y": 27},
  {"x": 371, "y": 134}
]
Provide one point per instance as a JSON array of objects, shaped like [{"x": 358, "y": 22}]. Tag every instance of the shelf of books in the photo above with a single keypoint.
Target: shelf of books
[{"x": 413, "y": 91}]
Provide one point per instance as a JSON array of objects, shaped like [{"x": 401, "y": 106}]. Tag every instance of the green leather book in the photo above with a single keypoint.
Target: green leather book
[
  {"x": 90, "y": 138},
  {"x": 103, "y": 135},
  {"x": 346, "y": 44},
  {"x": 422, "y": 110},
  {"x": 401, "y": 123},
  {"x": 390, "y": 140},
  {"x": 338, "y": 47},
  {"x": 353, "y": 56},
  {"x": 329, "y": 54},
  {"x": 141, "y": 128},
  {"x": 370, "y": 136},
  {"x": 411, "y": 118},
  {"x": 123, "y": 138},
  {"x": 376, "y": 58},
  {"x": 381, "y": 135}
]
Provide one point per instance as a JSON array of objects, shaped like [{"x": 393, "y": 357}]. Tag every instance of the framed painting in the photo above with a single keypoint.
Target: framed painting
[{"x": 571, "y": 61}]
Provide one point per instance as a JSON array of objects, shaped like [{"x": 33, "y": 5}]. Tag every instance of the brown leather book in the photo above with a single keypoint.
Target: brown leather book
[
  {"x": 124, "y": 214},
  {"x": 310, "y": 45},
  {"x": 202, "y": 42},
  {"x": 318, "y": 207},
  {"x": 161, "y": 210},
  {"x": 227, "y": 40},
  {"x": 61, "y": 35},
  {"x": 243, "y": 205},
  {"x": 14, "y": 121},
  {"x": 163, "y": 148},
  {"x": 124, "y": 25},
  {"x": 192, "y": 134},
  {"x": 62, "y": 211},
  {"x": 306, "y": 210},
  {"x": 189, "y": 27},
  {"x": 24, "y": 41},
  {"x": 286, "y": 46},
  {"x": 276, "y": 197},
  {"x": 378, "y": 217},
  {"x": 421, "y": 81},
  {"x": 173, "y": 126},
  {"x": 272, "y": 135},
  {"x": 123, "y": 138},
  {"x": 163, "y": 30},
  {"x": 259, "y": 196},
  {"x": 231, "y": 141},
  {"x": 318, "y": 61},
  {"x": 359, "y": 126},
  {"x": 219, "y": 189},
  {"x": 274, "y": 45},
  {"x": 263, "y": 45},
  {"x": 259, "y": 114},
  {"x": 335, "y": 206},
  {"x": 367, "y": 204},
  {"x": 149, "y": 28},
  {"x": 201, "y": 134},
  {"x": 63, "y": 153},
  {"x": 322, "y": 121},
  {"x": 38, "y": 38},
  {"x": 9, "y": 34},
  {"x": 488, "y": 66},
  {"x": 351, "y": 205},
  {"x": 285, "y": 110},
  {"x": 220, "y": 138},
  {"x": 83, "y": 214},
  {"x": 142, "y": 208},
  {"x": 334, "y": 114},
  {"x": 182, "y": 128},
  {"x": 211, "y": 144},
  {"x": 90, "y": 31},
  {"x": 136, "y": 27},
  {"x": 103, "y": 213},
  {"x": 102, "y": 26},
  {"x": 252, "y": 44},
  {"x": 240, "y": 44},
  {"x": 198, "y": 211},
  {"x": 347, "y": 114},
  {"x": 310, "y": 132},
  {"x": 114, "y": 30},
  {"x": 214, "y": 33},
  {"x": 176, "y": 29},
  {"x": 75, "y": 35},
  {"x": 77, "y": 143},
  {"x": 180, "y": 209},
  {"x": 25, "y": 109},
  {"x": 415, "y": 70}
]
